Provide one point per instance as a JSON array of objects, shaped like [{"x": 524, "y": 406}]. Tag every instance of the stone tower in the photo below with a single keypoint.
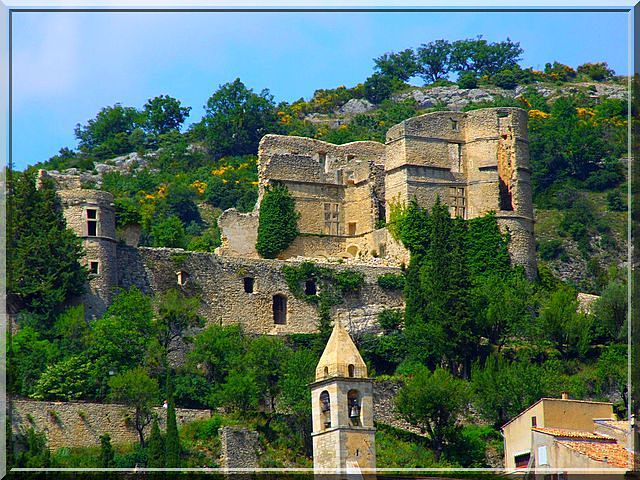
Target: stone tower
[
  {"x": 91, "y": 215},
  {"x": 342, "y": 409},
  {"x": 475, "y": 162}
]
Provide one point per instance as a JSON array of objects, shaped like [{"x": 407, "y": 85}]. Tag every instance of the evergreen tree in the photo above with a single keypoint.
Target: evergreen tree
[
  {"x": 155, "y": 447},
  {"x": 106, "y": 451},
  {"x": 172, "y": 442},
  {"x": 43, "y": 271}
]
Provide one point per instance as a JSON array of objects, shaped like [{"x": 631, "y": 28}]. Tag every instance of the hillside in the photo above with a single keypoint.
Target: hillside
[{"x": 474, "y": 328}]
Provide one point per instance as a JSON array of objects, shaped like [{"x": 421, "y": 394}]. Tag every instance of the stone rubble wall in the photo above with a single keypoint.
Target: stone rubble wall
[
  {"x": 219, "y": 282},
  {"x": 80, "y": 424},
  {"x": 239, "y": 448}
]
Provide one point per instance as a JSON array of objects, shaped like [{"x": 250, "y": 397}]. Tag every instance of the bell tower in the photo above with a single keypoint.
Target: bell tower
[{"x": 342, "y": 409}]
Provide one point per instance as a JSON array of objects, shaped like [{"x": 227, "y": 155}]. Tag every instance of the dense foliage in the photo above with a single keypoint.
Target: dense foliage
[{"x": 277, "y": 222}]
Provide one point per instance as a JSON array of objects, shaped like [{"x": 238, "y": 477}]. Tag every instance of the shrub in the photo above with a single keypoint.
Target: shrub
[
  {"x": 390, "y": 319},
  {"x": 596, "y": 71},
  {"x": 391, "y": 281},
  {"x": 505, "y": 79},
  {"x": 550, "y": 250},
  {"x": 615, "y": 202},
  {"x": 467, "y": 80},
  {"x": 277, "y": 223}
]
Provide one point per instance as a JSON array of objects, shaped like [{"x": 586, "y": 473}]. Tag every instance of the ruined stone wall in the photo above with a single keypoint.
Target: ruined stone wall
[
  {"x": 219, "y": 281},
  {"x": 239, "y": 233},
  {"x": 80, "y": 424},
  {"x": 239, "y": 448}
]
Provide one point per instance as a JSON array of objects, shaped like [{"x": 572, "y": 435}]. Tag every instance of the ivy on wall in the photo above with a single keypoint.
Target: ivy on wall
[
  {"x": 277, "y": 222},
  {"x": 330, "y": 287}
]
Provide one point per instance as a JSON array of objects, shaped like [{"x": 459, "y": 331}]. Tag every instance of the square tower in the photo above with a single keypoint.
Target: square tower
[{"x": 342, "y": 409}]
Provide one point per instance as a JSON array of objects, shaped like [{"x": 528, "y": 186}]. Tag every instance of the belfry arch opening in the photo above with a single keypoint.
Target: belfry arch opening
[{"x": 354, "y": 407}]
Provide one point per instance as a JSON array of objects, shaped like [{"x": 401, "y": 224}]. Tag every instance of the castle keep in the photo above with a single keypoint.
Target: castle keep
[{"x": 475, "y": 162}]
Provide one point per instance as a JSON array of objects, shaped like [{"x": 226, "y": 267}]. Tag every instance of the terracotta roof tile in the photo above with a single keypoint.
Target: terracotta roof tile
[
  {"x": 562, "y": 432},
  {"x": 614, "y": 453},
  {"x": 619, "y": 424}
]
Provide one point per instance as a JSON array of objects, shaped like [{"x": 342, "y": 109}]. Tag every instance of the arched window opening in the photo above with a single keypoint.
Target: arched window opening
[
  {"x": 310, "y": 287},
  {"x": 279, "y": 309},
  {"x": 182, "y": 277},
  {"x": 352, "y": 370},
  {"x": 325, "y": 409},
  {"x": 355, "y": 407},
  {"x": 326, "y": 372}
]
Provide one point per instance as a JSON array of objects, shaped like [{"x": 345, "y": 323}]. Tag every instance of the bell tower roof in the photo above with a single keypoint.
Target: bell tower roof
[{"x": 340, "y": 358}]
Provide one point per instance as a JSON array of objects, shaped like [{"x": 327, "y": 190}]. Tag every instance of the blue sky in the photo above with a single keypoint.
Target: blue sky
[{"x": 67, "y": 66}]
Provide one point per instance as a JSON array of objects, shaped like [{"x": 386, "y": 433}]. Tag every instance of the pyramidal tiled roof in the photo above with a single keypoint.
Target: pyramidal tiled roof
[{"x": 341, "y": 357}]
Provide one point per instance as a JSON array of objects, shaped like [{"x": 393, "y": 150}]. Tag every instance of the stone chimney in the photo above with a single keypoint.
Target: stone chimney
[{"x": 564, "y": 395}]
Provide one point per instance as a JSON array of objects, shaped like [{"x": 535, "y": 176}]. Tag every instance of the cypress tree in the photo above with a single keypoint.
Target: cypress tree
[
  {"x": 106, "y": 452},
  {"x": 172, "y": 442},
  {"x": 155, "y": 446}
]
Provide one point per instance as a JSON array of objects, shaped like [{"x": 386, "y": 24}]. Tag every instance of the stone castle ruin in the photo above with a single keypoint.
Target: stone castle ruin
[{"x": 475, "y": 162}]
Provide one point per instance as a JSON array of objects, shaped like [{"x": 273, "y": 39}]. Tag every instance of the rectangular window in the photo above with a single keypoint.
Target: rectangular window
[
  {"x": 455, "y": 157},
  {"x": 332, "y": 218},
  {"x": 457, "y": 202},
  {"x": 94, "y": 268},
  {"x": 534, "y": 422},
  {"x": 352, "y": 228},
  {"x": 279, "y": 309},
  {"x": 92, "y": 222},
  {"x": 248, "y": 284}
]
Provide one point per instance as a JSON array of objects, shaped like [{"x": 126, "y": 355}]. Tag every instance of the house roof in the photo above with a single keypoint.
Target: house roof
[
  {"x": 565, "y": 433},
  {"x": 622, "y": 425},
  {"x": 614, "y": 454},
  {"x": 553, "y": 400}
]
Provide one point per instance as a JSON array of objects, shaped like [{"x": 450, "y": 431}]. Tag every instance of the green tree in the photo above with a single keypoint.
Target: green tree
[
  {"x": 155, "y": 446},
  {"x": 598, "y": 71},
  {"x": 28, "y": 356},
  {"x": 240, "y": 391},
  {"x": 43, "y": 269},
  {"x": 266, "y": 356},
  {"x": 401, "y": 65},
  {"x": 612, "y": 371},
  {"x": 107, "y": 454},
  {"x": 163, "y": 114},
  {"x": 378, "y": 87},
  {"x": 495, "y": 382},
  {"x": 483, "y": 58},
  {"x": 177, "y": 314},
  {"x": 69, "y": 379},
  {"x": 277, "y": 222},
  {"x": 434, "y": 60},
  {"x": 119, "y": 340},
  {"x": 610, "y": 312},
  {"x": 563, "y": 325},
  {"x": 109, "y": 132},
  {"x": 236, "y": 119},
  {"x": 168, "y": 232},
  {"x": 136, "y": 389},
  {"x": 35, "y": 452},
  {"x": 434, "y": 402},
  {"x": 217, "y": 349}
]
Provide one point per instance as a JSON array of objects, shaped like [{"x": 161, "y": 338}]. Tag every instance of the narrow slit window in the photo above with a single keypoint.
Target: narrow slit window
[{"x": 310, "y": 287}]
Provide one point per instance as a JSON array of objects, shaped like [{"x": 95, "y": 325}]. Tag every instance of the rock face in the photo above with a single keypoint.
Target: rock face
[
  {"x": 454, "y": 97},
  {"x": 357, "y": 105}
]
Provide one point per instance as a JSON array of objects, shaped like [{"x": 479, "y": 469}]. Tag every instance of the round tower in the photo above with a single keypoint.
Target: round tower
[{"x": 91, "y": 215}]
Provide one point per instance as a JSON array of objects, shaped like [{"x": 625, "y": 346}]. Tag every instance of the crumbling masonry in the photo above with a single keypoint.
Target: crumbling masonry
[{"x": 475, "y": 162}]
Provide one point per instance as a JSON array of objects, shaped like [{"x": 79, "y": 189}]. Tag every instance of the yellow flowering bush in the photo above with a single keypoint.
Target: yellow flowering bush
[{"x": 538, "y": 114}]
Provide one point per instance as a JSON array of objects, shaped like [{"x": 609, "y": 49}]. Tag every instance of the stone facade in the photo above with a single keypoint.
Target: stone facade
[
  {"x": 80, "y": 424},
  {"x": 221, "y": 284},
  {"x": 475, "y": 162}
]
